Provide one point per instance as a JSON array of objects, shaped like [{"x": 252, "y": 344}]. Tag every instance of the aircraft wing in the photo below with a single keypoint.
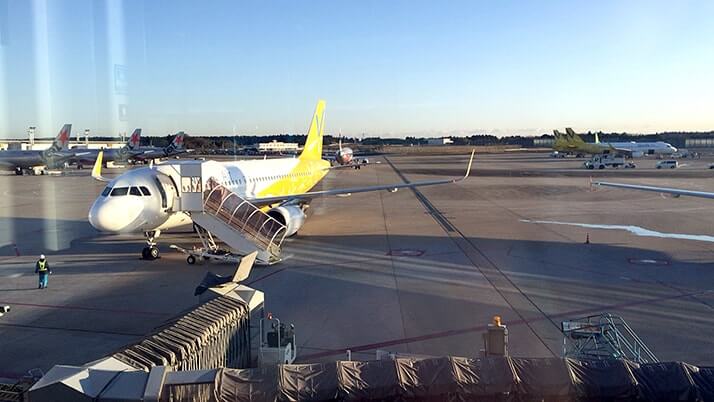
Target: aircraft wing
[
  {"x": 353, "y": 190},
  {"x": 70, "y": 153},
  {"x": 674, "y": 191},
  {"x": 623, "y": 151}
]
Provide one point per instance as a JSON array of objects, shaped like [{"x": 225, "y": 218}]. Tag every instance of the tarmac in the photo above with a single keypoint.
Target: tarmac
[{"x": 417, "y": 272}]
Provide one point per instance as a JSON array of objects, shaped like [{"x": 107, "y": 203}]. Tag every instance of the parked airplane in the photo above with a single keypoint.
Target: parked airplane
[
  {"x": 632, "y": 148},
  {"x": 122, "y": 155},
  {"x": 142, "y": 200},
  {"x": 175, "y": 148},
  {"x": 35, "y": 161},
  {"x": 563, "y": 146}
]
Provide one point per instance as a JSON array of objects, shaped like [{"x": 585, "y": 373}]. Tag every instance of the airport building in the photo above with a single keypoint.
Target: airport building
[
  {"x": 543, "y": 142},
  {"x": 277, "y": 146},
  {"x": 40, "y": 145},
  {"x": 439, "y": 141},
  {"x": 32, "y": 144},
  {"x": 699, "y": 143}
]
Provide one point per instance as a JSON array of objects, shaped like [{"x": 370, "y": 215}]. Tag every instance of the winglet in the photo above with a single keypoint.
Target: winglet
[
  {"x": 97, "y": 169},
  {"x": 468, "y": 168}
]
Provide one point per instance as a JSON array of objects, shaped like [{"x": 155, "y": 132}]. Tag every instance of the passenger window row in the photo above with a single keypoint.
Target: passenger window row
[
  {"x": 120, "y": 191},
  {"x": 264, "y": 178}
]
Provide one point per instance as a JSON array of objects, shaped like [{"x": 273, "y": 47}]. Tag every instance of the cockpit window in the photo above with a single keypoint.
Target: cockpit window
[
  {"x": 118, "y": 191},
  {"x": 145, "y": 191},
  {"x": 106, "y": 191},
  {"x": 135, "y": 191}
]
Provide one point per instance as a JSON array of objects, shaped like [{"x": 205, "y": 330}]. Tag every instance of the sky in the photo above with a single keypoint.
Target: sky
[{"x": 388, "y": 68}]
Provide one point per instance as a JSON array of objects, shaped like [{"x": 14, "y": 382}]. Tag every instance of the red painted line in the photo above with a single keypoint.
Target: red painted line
[
  {"x": 68, "y": 307},
  {"x": 453, "y": 332},
  {"x": 90, "y": 331}
]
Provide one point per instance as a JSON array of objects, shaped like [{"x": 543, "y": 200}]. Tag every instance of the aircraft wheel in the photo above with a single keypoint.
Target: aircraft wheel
[
  {"x": 153, "y": 252},
  {"x": 18, "y": 171},
  {"x": 145, "y": 253},
  {"x": 191, "y": 260},
  {"x": 601, "y": 167}
]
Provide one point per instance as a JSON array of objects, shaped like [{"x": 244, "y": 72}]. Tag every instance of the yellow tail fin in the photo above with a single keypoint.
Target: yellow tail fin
[
  {"x": 313, "y": 144},
  {"x": 574, "y": 137}
]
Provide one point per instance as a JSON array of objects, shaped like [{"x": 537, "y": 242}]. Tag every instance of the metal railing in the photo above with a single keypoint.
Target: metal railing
[
  {"x": 257, "y": 226},
  {"x": 604, "y": 336}
]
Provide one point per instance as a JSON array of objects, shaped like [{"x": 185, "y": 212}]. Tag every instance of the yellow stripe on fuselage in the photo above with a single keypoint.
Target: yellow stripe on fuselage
[{"x": 301, "y": 179}]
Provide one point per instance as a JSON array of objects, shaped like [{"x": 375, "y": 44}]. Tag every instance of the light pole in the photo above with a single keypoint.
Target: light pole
[{"x": 31, "y": 135}]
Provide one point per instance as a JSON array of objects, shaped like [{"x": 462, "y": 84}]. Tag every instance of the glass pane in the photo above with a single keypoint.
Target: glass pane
[{"x": 118, "y": 191}]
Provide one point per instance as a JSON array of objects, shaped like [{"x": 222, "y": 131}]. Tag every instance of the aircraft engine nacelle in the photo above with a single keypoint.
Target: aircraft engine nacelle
[
  {"x": 638, "y": 154},
  {"x": 291, "y": 216},
  {"x": 344, "y": 156}
]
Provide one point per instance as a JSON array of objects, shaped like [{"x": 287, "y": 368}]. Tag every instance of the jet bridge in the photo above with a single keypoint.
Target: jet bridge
[{"x": 221, "y": 213}]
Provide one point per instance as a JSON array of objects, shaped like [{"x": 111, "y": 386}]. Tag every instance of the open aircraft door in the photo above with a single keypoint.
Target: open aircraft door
[{"x": 168, "y": 191}]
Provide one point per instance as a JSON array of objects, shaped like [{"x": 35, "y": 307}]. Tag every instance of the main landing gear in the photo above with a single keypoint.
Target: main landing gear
[{"x": 151, "y": 252}]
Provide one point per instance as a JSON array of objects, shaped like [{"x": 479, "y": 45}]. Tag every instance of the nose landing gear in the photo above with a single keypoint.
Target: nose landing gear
[{"x": 151, "y": 252}]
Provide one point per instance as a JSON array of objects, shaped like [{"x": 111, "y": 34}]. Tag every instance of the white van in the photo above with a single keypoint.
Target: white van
[{"x": 667, "y": 164}]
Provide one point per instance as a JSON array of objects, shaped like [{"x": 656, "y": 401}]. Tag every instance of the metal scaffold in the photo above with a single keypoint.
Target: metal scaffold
[{"x": 604, "y": 336}]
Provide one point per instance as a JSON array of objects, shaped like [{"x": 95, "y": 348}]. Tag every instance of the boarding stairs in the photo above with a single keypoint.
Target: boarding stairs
[
  {"x": 239, "y": 224},
  {"x": 604, "y": 336}
]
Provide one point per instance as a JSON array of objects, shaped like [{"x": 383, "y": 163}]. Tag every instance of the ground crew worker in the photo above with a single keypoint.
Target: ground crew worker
[{"x": 42, "y": 267}]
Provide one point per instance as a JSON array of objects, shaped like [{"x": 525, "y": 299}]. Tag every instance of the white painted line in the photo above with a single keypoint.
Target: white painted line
[{"x": 636, "y": 230}]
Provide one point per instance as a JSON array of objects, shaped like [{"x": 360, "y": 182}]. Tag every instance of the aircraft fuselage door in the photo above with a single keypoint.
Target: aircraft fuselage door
[
  {"x": 168, "y": 191},
  {"x": 191, "y": 186}
]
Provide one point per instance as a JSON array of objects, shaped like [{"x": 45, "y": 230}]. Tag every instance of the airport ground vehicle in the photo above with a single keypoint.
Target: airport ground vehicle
[
  {"x": 209, "y": 250},
  {"x": 605, "y": 160},
  {"x": 277, "y": 343},
  {"x": 667, "y": 164}
]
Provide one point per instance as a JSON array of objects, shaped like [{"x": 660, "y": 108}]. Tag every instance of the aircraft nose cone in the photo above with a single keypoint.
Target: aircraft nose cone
[{"x": 113, "y": 217}]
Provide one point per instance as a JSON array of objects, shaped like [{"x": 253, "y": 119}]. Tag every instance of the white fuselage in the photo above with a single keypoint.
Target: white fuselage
[
  {"x": 642, "y": 148},
  {"x": 145, "y": 199}
]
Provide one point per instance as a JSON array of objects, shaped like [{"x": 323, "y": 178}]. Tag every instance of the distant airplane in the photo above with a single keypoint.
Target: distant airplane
[
  {"x": 564, "y": 146},
  {"x": 148, "y": 200},
  {"x": 345, "y": 157},
  {"x": 124, "y": 154},
  {"x": 30, "y": 161},
  {"x": 632, "y": 148},
  {"x": 175, "y": 148}
]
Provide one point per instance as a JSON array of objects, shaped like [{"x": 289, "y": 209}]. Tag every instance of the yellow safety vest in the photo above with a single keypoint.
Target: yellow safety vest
[{"x": 43, "y": 265}]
